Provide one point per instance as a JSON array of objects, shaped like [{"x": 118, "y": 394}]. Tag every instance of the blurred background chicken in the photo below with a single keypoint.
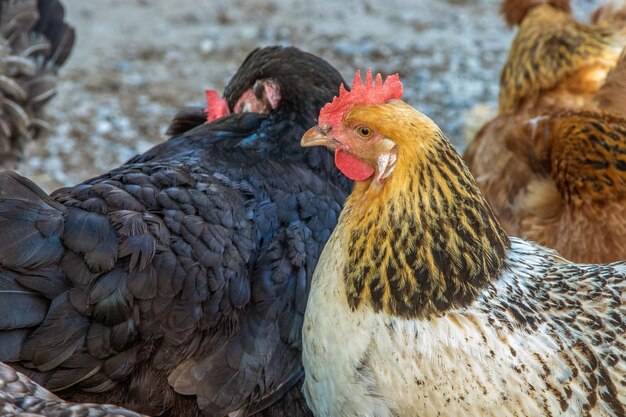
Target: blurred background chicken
[
  {"x": 552, "y": 67},
  {"x": 34, "y": 42},
  {"x": 421, "y": 305},
  {"x": 574, "y": 197},
  {"x": 19, "y": 396}
]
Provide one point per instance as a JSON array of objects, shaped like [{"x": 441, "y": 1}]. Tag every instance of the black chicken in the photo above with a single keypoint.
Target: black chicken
[
  {"x": 35, "y": 41},
  {"x": 21, "y": 396},
  {"x": 176, "y": 283}
]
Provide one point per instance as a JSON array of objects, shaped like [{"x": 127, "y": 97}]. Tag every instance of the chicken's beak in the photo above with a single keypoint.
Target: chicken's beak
[{"x": 315, "y": 137}]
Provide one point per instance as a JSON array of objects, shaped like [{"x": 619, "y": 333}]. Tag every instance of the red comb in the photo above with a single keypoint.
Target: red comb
[
  {"x": 370, "y": 93},
  {"x": 216, "y": 106}
]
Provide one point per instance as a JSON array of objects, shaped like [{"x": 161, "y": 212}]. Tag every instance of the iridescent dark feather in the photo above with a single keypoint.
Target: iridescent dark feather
[{"x": 176, "y": 283}]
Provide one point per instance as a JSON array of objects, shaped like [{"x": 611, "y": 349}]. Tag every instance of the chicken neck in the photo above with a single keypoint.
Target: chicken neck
[{"x": 426, "y": 240}]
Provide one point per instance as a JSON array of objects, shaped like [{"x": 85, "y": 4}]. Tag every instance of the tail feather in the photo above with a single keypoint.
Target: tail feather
[
  {"x": 11, "y": 342},
  {"x": 53, "y": 27},
  {"x": 19, "y": 307},
  {"x": 186, "y": 119},
  {"x": 31, "y": 224}
]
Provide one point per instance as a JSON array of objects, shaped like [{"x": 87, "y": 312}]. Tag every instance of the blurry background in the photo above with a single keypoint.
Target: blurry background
[{"x": 136, "y": 62}]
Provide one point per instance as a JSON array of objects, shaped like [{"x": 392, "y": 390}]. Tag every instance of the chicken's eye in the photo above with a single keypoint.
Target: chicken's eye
[{"x": 364, "y": 131}]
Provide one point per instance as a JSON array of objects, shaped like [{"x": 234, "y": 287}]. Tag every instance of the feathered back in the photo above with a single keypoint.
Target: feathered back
[
  {"x": 586, "y": 157},
  {"x": 610, "y": 13},
  {"x": 305, "y": 81},
  {"x": 34, "y": 42}
]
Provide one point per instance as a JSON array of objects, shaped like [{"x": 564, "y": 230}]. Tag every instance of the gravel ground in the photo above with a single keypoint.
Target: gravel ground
[{"x": 137, "y": 61}]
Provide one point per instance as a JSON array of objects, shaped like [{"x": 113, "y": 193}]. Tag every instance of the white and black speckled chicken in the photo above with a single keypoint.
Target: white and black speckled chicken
[
  {"x": 19, "y": 396},
  {"x": 34, "y": 42},
  {"x": 176, "y": 283},
  {"x": 422, "y": 306}
]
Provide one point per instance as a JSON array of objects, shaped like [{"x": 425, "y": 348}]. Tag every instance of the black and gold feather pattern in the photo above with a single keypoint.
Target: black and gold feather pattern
[
  {"x": 424, "y": 262},
  {"x": 425, "y": 255}
]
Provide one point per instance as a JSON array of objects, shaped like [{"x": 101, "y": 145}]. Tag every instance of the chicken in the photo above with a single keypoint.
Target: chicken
[
  {"x": 21, "y": 396},
  {"x": 574, "y": 201},
  {"x": 176, "y": 283},
  {"x": 550, "y": 178},
  {"x": 572, "y": 197},
  {"x": 421, "y": 305},
  {"x": 554, "y": 64},
  {"x": 554, "y": 61},
  {"x": 35, "y": 41}
]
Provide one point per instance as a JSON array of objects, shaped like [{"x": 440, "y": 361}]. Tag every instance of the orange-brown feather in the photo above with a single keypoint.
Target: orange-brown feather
[
  {"x": 575, "y": 202},
  {"x": 612, "y": 96},
  {"x": 499, "y": 172},
  {"x": 514, "y": 11}
]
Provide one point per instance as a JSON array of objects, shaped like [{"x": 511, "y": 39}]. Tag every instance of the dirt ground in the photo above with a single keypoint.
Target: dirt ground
[{"x": 137, "y": 61}]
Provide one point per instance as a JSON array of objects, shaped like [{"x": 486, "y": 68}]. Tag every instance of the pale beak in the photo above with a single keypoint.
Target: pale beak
[{"x": 315, "y": 137}]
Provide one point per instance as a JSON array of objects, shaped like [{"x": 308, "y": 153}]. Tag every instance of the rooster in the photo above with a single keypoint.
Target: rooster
[
  {"x": 19, "y": 396},
  {"x": 176, "y": 283},
  {"x": 555, "y": 63},
  {"x": 35, "y": 41},
  {"x": 421, "y": 305}
]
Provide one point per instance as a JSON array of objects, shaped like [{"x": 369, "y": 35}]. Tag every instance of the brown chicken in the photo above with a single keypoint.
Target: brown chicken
[
  {"x": 574, "y": 201},
  {"x": 554, "y": 61},
  {"x": 573, "y": 197},
  {"x": 552, "y": 67}
]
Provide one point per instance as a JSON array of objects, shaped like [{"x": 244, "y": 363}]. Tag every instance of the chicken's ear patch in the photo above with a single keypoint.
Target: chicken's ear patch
[
  {"x": 352, "y": 167},
  {"x": 370, "y": 93},
  {"x": 216, "y": 106}
]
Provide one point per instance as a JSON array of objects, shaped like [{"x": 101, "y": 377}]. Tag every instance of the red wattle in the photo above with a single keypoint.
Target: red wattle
[{"x": 353, "y": 168}]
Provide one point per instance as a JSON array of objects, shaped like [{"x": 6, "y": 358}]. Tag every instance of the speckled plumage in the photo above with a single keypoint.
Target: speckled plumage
[
  {"x": 538, "y": 336},
  {"x": 19, "y": 396},
  {"x": 176, "y": 283}
]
